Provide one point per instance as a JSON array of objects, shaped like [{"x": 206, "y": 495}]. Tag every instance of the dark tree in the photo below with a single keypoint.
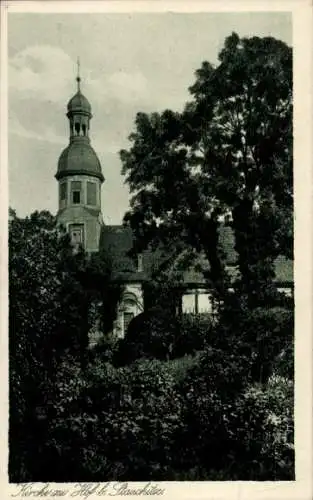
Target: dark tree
[
  {"x": 51, "y": 294},
  {"x": 226, "y": 159}
]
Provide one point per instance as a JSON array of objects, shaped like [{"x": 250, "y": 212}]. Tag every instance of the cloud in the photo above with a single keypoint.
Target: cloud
[
  {"x": 47, "y": 134},
  {"x": 42, "y": 72},
  {"x": 46, "y": 73},
  {"x": 126, "y": 88}
]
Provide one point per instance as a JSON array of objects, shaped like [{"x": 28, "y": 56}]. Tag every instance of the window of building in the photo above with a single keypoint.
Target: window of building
[
  {"x": 76, "y": 187},
  {"x": 77, "y": 235},
  {"x": 188, "y": 302},
  {"x": 91, "y": 193},
  {"x": 63, "y": 191},
  {"x": 76, "y": 197}
]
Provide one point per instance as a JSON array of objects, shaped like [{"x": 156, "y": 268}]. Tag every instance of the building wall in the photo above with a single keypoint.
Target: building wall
[
  {"x": 84, "y": 179},
  {"x": 79, "y": 214},
  {"x": 200, "y": 301},
  {"x": 130, "y": 306}
]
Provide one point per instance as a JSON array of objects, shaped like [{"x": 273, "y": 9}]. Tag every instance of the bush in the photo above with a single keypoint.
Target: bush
[
  {"x": 192, "y": 418},
  {"x": 158, "y": 334},
  {"x": 105, "y": 350},
  {"x": 263, "y": 334},
  {"x": 195, "y": 332},
  {"x": 283, "y": 365},
  {"x": 151, "y": 335},
  {"x": 210, "y": 389},
  {"x": 180, "y": 367},
  {"x": 234, "y": 429},
  {"x": 137, "y": 420},
  {"x": 268, "y": 331},
  {"x": 265, "y": 426}
]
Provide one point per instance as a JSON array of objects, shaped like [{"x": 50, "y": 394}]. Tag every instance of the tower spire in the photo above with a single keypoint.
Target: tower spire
[{"x": 78, "y": 74}]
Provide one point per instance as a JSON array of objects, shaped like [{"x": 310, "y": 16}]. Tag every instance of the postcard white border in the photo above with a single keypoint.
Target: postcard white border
[{"x": 301, "y": 488}]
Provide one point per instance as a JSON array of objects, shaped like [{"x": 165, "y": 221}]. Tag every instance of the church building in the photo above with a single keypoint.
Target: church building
[{"x": 80, "y": 178}]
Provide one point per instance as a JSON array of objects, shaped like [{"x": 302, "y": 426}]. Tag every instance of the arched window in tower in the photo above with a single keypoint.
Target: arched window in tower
[
  {"x": 84, "y": 129},
  {"x": 77, "y": 128}
]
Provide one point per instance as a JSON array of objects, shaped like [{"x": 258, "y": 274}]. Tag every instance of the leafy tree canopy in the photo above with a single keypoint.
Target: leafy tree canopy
[{"x": 227, "y": 157}]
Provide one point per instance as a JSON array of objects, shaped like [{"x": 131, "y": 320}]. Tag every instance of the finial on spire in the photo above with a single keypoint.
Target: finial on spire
[{"x": 78, "y": 74}]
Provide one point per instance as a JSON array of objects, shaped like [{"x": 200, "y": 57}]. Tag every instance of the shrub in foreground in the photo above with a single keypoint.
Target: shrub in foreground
[
  {"x": 234, "y": 429},
  {"x": 158, "y": 334}
]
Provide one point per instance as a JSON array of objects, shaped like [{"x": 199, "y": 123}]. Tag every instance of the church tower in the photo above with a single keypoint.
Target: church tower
[{"x": 80, "y": 178}]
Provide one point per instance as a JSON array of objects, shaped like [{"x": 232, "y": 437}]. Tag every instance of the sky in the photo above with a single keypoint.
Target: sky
[{"x": 129, "y": 63}]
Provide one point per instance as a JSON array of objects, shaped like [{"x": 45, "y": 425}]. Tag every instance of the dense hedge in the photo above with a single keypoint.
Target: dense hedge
[
  {"x": 233, "y": 427},
  {"x": 158, "y": 420}
]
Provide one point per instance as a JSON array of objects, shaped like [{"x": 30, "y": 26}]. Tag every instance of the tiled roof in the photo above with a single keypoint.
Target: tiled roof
[{"x": 118, "y": 242}]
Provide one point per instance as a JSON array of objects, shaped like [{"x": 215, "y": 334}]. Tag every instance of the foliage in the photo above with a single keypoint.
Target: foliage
[
  {"x": 158, "y": 334},
  {"x": 179, "y": 367},
  {"x": 228, "y": 157},
  {"x": 232, "y": 429},
  {"x": 123, "y": 426},
  {"x": 268, "y": 332},
  {"x": 105, "y": 292},
  {"x": 166, "y": 284},
  {"x": 46, "y": 318},
  {"x": 283, "y": 364},
  {"x": 50, "y": 299},
  {"x": 263, "y": 334},
  {"x": 195, "y": 333},
  {"x": 268, "y": 415},
  {"x": 209, "y": 401},
  {"x": 106, "y": 350},
  {"x": 248, "y": 151},
  {"x": 151, "y": 335}
]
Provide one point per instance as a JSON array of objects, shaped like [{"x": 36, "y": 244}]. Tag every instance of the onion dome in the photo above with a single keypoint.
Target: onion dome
[
  {"x": 79, "y": 104},
  {"x": 79, "y": 158}
]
